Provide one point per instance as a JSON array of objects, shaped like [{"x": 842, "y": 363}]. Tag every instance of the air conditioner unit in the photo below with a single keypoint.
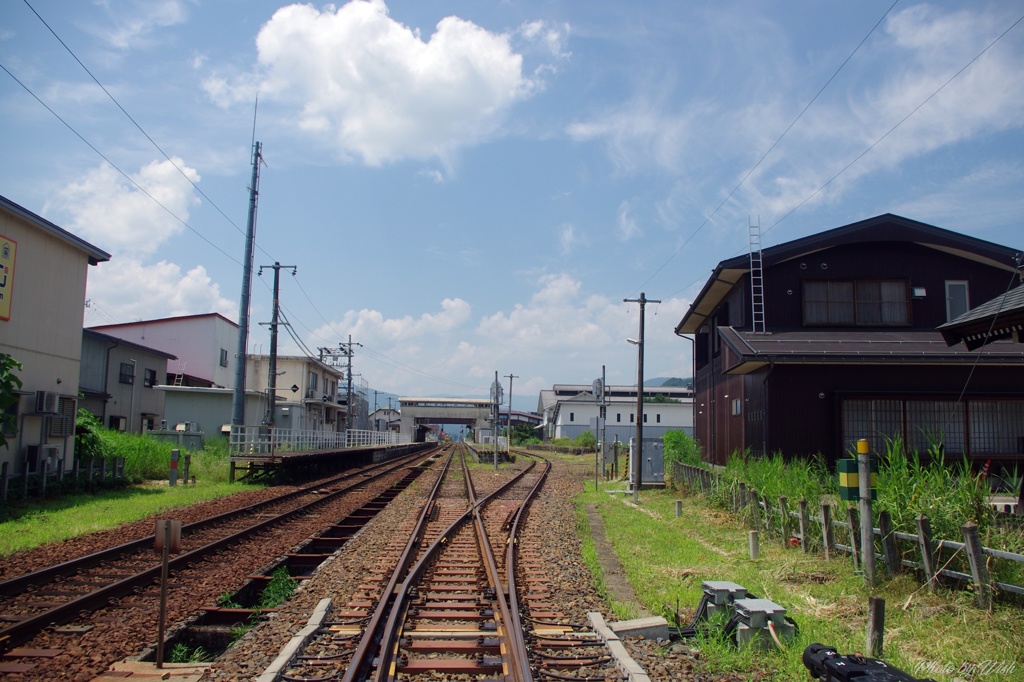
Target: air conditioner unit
[
  {"x": 50, "y": 455},
  {"x": 46, "y": 402}
]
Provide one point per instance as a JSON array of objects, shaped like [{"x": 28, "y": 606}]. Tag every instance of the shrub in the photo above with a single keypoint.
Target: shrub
[{"x": 681, "y": 447}]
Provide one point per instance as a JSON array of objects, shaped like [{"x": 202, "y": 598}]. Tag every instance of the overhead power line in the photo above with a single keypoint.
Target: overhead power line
[
  {"x": 874, "y": 144},
  {"x": 772, "y": 147}
]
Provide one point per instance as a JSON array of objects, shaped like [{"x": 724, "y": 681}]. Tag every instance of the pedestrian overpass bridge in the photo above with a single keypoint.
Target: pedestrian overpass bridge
[{"x": 419, "y": 412}]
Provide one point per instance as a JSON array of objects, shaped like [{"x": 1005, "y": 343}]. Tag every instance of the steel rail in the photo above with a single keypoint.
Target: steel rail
[
  {"x": 380, "y": 635},
  {"x": 516, "y": 652},
  {"x": 24, "y": 630},
  {"x": 18, "y": 584},
  {"x": 362, "y": 657},
  {"x": 512, "y": 555}
]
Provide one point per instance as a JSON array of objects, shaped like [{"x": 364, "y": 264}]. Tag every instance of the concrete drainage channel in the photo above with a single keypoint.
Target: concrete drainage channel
[{"x": 210, "y": 633}]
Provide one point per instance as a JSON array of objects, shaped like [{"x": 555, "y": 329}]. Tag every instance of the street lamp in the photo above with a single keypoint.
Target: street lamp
[{"x": 643, "y": 301}]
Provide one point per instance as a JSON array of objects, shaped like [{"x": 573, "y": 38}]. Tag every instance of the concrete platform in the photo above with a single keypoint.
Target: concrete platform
[{"x": 654, "y": 627}]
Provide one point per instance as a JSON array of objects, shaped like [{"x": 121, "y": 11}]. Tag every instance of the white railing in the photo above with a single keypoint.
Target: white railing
[
  {"x": 267, "y": 441},
  {"x": 362, "y": 438}
]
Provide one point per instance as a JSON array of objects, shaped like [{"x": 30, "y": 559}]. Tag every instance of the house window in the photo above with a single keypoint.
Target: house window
[
  {"x": 645, "y": 417},
  {"x": 127, "y": 375},
  {"x": 313, "y": 377},
  {"x": 118, "y": 423},
  {"x": 737, "y": 407},
  {"x": 957, "y": 302},
  {"x": 618, "y": 417},
  {"x": 223, "y": 357},
  {"x": 862, "y": 302},
  {"x": 149, "y": 378},
  {"x": 572, "y": 416},
  {"x": 631, "y": 417},
  {"x": 657, "y": 418}
]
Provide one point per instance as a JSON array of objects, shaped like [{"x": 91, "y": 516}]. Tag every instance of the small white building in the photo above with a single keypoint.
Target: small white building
[
  {"x": 571, "y": 409},
  {"x": 203, "y": 347}
]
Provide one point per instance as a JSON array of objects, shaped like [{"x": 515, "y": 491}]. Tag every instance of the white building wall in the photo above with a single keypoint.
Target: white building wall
[{"x": 199, "y": 342}]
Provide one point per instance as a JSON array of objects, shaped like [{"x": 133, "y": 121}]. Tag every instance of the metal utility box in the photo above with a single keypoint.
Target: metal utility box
[
  {"x": 754, "y": 616},
  {"x": 721, "y": 594},
  {"x": 653, "y": 469}
]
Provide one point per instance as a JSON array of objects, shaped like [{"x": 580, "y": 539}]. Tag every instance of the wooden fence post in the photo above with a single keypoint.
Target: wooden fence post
[
  {"x": 755, "y": 508},
  {"x": 892, "y": 557},
  {"x": 784, "y": 514},
  {"x": 803, "y": 524},
  {"x": 876, "y": 626},
  {"x": 854, "y": 527},
  {"x": 979, "y": 570},
  {"x": 827, "y": 539},
  {"x": 924, "y": 541}
]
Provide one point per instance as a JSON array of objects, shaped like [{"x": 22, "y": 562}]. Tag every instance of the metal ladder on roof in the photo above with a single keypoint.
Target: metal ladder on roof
[
  {"x": 756, "y": 279},
  {"x": 180, "y": 376}
]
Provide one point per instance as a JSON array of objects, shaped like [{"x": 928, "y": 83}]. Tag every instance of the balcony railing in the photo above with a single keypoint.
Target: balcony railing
[{"x": 267, "y": 441}]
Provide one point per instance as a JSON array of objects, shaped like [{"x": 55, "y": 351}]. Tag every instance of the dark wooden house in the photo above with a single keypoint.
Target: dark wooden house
[{"x": 846, "y": 346}]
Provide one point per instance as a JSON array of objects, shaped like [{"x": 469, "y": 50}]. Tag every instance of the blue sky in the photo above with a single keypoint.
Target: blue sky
[{"x": 471, "y": 187}]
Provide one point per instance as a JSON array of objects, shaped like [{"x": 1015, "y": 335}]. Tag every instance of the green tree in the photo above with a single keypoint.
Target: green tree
[
  {"x": 10, "y": 383},
  {"x": 88, "y": 442},
  {"x": 523, "y": 434}
]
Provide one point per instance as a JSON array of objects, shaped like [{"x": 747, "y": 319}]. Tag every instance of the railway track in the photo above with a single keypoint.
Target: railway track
[
  {"x": 444, "y": 605},
  {"x": 71, "y": 590}
]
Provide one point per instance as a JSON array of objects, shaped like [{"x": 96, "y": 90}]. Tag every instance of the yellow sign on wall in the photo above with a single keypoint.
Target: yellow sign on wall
[{"x": 8, "y": 247}]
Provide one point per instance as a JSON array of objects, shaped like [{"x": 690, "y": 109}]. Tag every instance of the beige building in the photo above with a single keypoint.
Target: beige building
[
  {"x": 310, "y": 395},
  {"x": 43, "y": 270}
]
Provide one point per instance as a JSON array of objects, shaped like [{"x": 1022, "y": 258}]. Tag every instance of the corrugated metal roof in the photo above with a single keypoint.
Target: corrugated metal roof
[{"x": 857, "y": 347}]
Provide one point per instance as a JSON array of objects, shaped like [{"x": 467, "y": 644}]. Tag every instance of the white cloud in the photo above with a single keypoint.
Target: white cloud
[
  {"x": 127, "y": 289},
  {"x": 136, "y": 22},
  {"x": 569, "y": 239},
  {"x": 109, "y": 211},
  {"x": 374, "y": 89},
  {"x": 627, "y": 226},
  {"x": 105, "y": 209}
]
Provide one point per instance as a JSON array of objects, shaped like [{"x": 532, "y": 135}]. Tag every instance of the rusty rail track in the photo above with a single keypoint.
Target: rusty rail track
[
  {"x": 59, "y": 594},
  {"x": 446, "y": 609}
]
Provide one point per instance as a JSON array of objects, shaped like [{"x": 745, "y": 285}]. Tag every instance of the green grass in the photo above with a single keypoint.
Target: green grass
[
  {"x": 35, "y": 522},
  {"x": 666, "y": 559}
]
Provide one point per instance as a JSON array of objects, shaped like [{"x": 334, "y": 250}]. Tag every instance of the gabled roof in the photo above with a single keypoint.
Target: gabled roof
[
  {"x": 164, "y": 320},
  {"x": 96, "y": 255},
  {"x": 855, "y": 347},
  {"x": 883, "y": 228},
  {"x": 1000, "y": 318},
  {"x": 117, "y": 341}
]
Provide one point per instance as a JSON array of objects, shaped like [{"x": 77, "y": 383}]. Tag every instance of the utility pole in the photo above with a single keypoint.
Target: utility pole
[
  {"x": 272, "y": 379},
  {"x": 508, "y": 441},
  {"x": 238, "y": 398},
  {"x": 638, "y": 450},
  {"x": 348, "y": 398}
]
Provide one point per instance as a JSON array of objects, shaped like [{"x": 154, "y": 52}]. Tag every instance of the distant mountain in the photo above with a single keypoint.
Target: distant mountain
[{"x": 668, "y": 381}]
